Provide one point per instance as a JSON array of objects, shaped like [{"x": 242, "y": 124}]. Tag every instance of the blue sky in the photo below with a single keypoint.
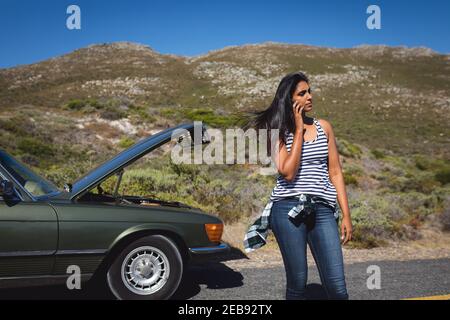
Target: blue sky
[{"x": 31, "y": 31}]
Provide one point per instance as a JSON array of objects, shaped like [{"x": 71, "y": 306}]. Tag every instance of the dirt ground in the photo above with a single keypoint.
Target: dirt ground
[{"x": 434, "y": 244}]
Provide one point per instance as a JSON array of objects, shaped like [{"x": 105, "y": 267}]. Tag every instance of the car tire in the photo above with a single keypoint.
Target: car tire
[{"x": 149, "y": 268}]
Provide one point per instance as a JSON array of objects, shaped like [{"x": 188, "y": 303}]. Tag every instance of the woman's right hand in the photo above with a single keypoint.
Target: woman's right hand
[
  {"x": 289, "y": 162},
  {"x": 298, "y": 116}
]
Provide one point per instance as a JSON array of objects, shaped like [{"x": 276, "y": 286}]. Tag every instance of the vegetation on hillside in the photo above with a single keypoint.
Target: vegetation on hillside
[{"x": 388, "y": 107}]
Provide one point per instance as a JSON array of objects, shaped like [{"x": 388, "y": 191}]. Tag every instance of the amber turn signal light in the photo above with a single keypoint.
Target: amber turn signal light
[{"x": 214, "y": 231}]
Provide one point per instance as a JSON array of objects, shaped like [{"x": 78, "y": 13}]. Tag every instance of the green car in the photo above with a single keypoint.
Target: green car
[{"x": 138, "y": 245}]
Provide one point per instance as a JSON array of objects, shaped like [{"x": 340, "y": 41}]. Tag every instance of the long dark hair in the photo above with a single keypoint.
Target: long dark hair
[{"x": 279, "y": 114}]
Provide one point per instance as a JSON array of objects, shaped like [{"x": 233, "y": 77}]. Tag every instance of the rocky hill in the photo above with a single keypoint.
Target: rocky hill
[
  {"x": 389, "y": 107},
  {"x": 370, "y": 93}
]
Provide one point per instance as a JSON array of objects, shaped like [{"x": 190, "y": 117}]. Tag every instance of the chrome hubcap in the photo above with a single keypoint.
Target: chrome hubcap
[{"x": 145, "y": 270}]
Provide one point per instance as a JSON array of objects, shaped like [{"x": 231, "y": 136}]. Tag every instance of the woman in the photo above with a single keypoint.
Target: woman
[{"x": 310, "y": 177}]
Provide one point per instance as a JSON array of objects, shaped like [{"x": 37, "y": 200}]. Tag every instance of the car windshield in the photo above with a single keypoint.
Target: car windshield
[{"x": 32, "y": 182}]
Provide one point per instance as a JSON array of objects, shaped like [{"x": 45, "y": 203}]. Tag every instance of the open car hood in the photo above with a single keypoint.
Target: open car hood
[{"x": 133, "y": 153}]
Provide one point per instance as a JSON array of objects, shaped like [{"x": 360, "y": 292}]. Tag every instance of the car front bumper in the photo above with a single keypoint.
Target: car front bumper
[{"x": 205, "y": 253}]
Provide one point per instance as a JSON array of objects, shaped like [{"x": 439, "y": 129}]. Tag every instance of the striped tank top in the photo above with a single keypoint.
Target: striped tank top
[{"x": 312, "y": 176}]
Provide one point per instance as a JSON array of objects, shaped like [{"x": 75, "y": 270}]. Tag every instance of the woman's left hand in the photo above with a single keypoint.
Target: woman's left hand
[{"x": 346, "y": 229}]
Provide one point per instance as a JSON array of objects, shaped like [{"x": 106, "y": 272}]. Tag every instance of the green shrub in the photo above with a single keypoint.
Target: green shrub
[
  {"x": 60, "y": 175},
  {"x": 190, "y": 170},
  {"x": 348, "y": 149},
  {"x": 416, "y": 204},
  {"x": 125, "y": 142},
  {"x": 142, "y": 114},
  {"x": 75, "y": 104},
  {"x": 406, "y": 177},
  {"x": 439, "y": 167},
  {"x": 362, "y": 239},
  {"x": 111, "y": 113},
  {"x": 424, "y": 183},
  {"x": 443, "y": 175},
  {"x": 108, "y": 109},
  {"x": 35, "y": 147},
  {"x": 209, "y": 117},
  {"x": 168, "y": 112},
  {"x": 19, "y": 125},
  {"x": 372, "y": 219},
  {"x": 378, "y": 154},
  {"x": 350, "y": 179},
  {"x": 149, "y": 181},
  {"x": 421, "y": 162}
]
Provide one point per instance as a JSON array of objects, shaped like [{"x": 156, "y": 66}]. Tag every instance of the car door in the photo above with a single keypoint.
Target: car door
[{"x": 28, "y": 237}]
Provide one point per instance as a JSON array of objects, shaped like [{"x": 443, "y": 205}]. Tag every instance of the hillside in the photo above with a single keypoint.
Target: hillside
[
  {"x": 389, "y": 107},
  {"x": 369, "y": 93}
]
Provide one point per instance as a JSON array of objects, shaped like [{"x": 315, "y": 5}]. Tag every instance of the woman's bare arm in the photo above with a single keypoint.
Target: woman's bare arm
[
  {"x": 337, "y": 178},
  {"x": 289, "y": 162}
]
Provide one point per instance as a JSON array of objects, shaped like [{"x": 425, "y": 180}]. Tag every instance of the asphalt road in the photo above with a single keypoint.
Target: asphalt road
[{"x": 398, "y": 280}]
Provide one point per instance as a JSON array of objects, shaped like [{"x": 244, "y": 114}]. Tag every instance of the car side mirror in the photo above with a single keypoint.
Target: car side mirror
[{"x": 6, "y": 189}]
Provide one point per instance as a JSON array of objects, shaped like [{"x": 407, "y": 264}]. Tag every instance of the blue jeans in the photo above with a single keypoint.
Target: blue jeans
[{"x": 320, "y": 231}]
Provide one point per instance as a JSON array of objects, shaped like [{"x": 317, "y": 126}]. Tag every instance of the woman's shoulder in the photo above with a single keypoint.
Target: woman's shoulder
[
  {"x": 326, "y": 126},
  {"x": 323, "y": 122}
]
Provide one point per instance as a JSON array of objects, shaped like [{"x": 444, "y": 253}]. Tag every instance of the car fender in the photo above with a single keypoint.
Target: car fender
[{"x": 147, "y": 228}]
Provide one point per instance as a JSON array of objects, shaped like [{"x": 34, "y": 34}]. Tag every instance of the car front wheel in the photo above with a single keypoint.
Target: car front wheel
[{"x": 150, "y": 268}]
